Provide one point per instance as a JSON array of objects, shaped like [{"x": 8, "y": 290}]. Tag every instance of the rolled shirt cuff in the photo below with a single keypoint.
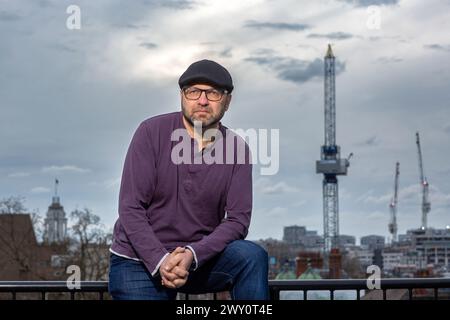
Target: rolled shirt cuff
[{"x": 195, "y": 257}]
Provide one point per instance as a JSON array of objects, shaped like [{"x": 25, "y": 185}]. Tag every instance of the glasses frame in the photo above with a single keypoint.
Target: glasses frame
[{"x": 206, "y": 91}]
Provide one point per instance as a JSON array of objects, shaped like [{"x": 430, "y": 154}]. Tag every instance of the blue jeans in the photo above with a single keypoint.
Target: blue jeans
[{"x": 242, "y": 268}]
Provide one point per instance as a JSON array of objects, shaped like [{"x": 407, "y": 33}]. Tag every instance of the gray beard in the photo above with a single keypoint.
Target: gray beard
[{"x": 210, "y": 123}]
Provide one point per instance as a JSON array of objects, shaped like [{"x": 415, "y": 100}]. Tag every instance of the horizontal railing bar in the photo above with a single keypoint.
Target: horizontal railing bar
[
  {"x": 275, "y": 286},
  {"x": 349, "y": 284},
  {"x": 51, "y": 286}
]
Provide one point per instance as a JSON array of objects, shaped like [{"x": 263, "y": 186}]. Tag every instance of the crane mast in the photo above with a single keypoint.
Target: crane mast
[
  {"x": 330, "y": 164},
  {"x": 393, "y": 205},
  {"x": 426, "y": 205}
]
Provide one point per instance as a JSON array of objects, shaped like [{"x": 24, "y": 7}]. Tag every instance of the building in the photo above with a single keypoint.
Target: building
[
  {"x": 308, "y": 259},
  {"x": 433, "y": 245},
  {"x": 391, "y": 259},
  {"x": 372, "y": 242},
  {"x": 294, "y": 234},
  {"x": 55, "y": 223},
  {"x": 21, "y": 257},
  {"x": 347, "y": 240},
  {"x": 313, "y": 241},
  {"x": 300, "y": 238}
]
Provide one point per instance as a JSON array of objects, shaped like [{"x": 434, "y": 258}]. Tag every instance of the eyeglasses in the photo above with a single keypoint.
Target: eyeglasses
[{"x": 193, "y": 93}]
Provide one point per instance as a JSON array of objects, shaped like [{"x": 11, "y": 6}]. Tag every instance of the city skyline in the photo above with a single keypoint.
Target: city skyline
[{"x": 71, "y": 100}]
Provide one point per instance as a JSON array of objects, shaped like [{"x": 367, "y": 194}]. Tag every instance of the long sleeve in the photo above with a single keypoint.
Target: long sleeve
[
  {"x": 238, "y": 213},
  {"x": 136, "y": 191}
]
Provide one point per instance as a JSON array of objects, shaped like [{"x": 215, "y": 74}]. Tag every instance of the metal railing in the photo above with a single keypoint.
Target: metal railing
[
  {"x": 43, "y": 288},
  {"x": 358, "y": 285}
]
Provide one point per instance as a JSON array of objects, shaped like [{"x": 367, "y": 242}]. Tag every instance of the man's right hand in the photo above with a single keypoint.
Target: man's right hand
[{"x": 173, "y": 269}]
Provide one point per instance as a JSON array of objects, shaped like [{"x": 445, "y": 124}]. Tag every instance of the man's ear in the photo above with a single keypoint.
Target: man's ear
[{"x": 227, "y": 102}]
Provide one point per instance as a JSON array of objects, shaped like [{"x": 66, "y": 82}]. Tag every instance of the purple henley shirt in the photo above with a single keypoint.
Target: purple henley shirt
[{"x": 163, "y": 205}]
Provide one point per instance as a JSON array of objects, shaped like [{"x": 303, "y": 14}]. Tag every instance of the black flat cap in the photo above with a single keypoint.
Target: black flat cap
[{"x": 208, "y": 72}]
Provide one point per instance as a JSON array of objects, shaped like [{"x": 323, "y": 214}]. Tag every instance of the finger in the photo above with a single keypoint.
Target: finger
[
  {"x": 179, "y": 282},
  {"x": 173, "y": 261},
  {"x": 168, "y": 284},
  {"x": 169, "y": 275},
  {"x": 180, "y": 272},
  {"x": 178, "y": 250},
  {"x": 168, "y": 266}
]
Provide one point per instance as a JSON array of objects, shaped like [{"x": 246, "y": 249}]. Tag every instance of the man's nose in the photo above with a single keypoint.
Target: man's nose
[{"x": 203, "y": 100}]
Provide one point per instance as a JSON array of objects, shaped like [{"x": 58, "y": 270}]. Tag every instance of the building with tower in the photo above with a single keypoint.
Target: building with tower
[{"x": 55, "y": 221}]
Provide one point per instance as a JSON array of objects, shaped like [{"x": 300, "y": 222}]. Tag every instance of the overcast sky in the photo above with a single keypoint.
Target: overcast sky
[{"x": 71, "y": 99}]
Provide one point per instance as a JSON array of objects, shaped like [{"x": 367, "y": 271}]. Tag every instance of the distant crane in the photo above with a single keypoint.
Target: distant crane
[
  {"x": 426, "y": 205},
  {"x": 393, "y": 206},
  {"x": 330, "y": 164}
]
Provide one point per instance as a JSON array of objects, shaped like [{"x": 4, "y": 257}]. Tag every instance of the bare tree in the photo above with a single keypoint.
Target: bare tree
[
  {"x": 12, "y": 205},
  {"x": 91, "y": 242},
  {"x": 352, "y": 266}
]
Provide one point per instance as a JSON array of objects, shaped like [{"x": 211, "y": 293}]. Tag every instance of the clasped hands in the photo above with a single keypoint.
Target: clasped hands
[{"x": 174, "y": 269}]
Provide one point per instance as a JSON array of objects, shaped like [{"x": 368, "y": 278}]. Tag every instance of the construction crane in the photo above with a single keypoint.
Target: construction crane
[
  {"x": 426, "y": 205},
  {"x": 393, "y": 206},
  {"x": 330, "y": 164}
]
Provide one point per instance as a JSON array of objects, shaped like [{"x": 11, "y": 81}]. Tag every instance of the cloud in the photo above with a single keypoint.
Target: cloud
[
  {"x": 276, "y": 25},
  {"x": 438, "y": 198},
  {"x": 66, "y": 168},
  {"x": 131, "y": 26},
  {"x": 369, "y": 198},
  {"x": 175, "y": 4},
  {"x": 266, "y": 186},
  {"x": 366, "y": 3},
  {"x": 148, "y": 45},
  {"x": 294, "y": 70},
  {"x": 437, "y": 47},
  {"x": 8, "y": 16},
  {"x": 376, "y": 215},
  {"x": 18, "y": 174},
  {"x": 389, "y": 60},
  {"x": 370, "y": 142},
  {"x": 108, "y": 184},
  {"x": 226, "y": 53},
  {"x": 331, "y": 36},
  {"x": 408, "y": 196},
  {"x": 63, "y": 47},
  {"x": 447, "y": 128},
  {"x": 40, "y": 190},
  {"x": 274, "y": 212}
]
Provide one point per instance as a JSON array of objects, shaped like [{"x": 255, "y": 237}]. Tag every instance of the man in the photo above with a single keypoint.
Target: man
[{"x": 182, "y": 225}]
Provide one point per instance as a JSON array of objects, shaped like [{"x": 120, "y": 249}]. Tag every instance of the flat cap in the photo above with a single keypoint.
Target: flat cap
[{"x": 208, "y": 72}]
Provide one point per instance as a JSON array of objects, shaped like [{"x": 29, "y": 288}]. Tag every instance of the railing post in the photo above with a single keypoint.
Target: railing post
[{"x": 274, "y": 293}]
